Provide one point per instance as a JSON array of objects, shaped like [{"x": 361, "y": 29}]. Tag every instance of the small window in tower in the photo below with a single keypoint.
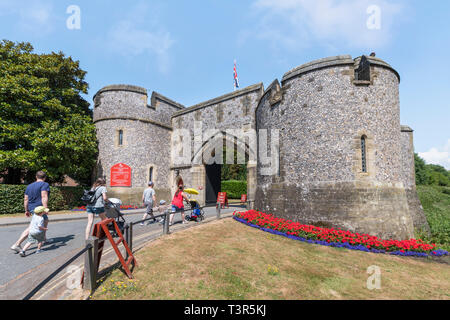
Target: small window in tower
[
  {"x": 363, "y": 154},
  {"x": 150, "y": 174},
  {"x": 120, "y": 137}
]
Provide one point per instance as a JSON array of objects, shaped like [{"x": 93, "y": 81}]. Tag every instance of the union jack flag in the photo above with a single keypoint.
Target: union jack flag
[{"x": 236, "y": 80}]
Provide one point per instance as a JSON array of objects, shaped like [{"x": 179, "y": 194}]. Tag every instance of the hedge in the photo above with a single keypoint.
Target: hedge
[
  {"x": 234, "y": 188},
  {"x": 61, "y": 198}
]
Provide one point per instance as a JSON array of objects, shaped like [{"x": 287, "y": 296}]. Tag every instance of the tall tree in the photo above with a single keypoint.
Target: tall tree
[
  {"x": 45, "y": 123},
  {"x": 431, "y": 174}
]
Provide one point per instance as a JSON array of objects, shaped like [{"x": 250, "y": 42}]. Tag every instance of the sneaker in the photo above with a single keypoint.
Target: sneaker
[
  {"x": 17, "y": 249},
  {"x": 185, "y": 222},
  {"x": 22, "y": 253},
  {"x": 141, "y": 224},
  {"x": 38, "y": 251}
]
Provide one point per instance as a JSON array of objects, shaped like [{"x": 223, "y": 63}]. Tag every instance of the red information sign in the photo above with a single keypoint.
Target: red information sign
[
  {"x": 222, "y": 199},
  {"x": 244, "y": 198},
  {"x": 120, "y": 175}
]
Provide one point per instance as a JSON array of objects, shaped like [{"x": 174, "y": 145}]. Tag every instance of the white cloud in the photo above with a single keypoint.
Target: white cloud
[
  {"x": 32, "y": 16},
  {"x": 439, "y": 156},
  {"x": 140, "y": 34},
  {"x": 303, "y": 23}
]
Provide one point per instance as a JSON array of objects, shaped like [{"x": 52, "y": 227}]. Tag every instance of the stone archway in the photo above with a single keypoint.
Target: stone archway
[{"x": 203, "y": 164}]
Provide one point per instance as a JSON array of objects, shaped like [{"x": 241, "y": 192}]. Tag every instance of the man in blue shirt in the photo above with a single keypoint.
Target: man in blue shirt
[{"x": 36, "y": 195}]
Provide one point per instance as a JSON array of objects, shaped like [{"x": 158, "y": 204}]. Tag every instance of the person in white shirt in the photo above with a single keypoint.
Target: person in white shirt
[
  {"x": 37, "y": 230},
  {"x": 149, "y": 199}
]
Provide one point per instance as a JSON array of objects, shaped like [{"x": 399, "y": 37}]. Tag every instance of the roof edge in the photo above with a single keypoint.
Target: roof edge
[
  {"x": 318, "y": 64},
  {"x": 222, "y": 98},
  {"x": 156, "y": 95},
  {"x": 122, "y": 87}
]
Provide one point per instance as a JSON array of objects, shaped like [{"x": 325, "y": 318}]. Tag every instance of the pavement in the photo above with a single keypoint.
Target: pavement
[
  {"x": 73, "y": 216},
  {"x": 19, "y": 275},
  {"x": 57, "y": 217}
]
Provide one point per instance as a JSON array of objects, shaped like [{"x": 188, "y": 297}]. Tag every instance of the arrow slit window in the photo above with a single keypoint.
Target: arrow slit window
[
  {"x": 120, "y": 137},
  {"x": 364, "y": 154},
  {"x": 150, "y": 174}
]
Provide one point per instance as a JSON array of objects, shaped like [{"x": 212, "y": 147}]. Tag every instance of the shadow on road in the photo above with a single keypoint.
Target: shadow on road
[{"x": 57, "y": 242}]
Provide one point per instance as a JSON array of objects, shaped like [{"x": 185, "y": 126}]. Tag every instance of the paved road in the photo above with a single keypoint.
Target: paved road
[{"x": 19, "y": 275}]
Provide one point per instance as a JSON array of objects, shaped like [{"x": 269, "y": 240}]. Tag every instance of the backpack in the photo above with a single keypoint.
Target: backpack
[{"x": 89, "y": 196}]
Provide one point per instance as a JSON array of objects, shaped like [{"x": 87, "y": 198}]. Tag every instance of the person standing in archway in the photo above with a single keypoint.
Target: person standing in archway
[{"x": 177, "y": 204}]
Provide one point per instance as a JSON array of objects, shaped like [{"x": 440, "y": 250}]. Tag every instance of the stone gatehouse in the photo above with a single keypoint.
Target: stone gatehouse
[{"x": 342, "y": 157}]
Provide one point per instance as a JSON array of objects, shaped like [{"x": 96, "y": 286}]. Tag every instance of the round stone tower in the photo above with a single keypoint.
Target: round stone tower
[
  {"x": 340, "y": 147},
  {"x": 134, "y": 141}
]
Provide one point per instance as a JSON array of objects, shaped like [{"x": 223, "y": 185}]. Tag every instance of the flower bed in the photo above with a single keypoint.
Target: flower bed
[
  {"x": 129, "y": 207},
  {"x": 336, "y": 237}
]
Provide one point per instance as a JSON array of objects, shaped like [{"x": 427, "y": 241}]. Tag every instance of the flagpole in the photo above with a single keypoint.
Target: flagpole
[
  {"x": 236, "y": 81},
  {"x": 234, "y": 76}
]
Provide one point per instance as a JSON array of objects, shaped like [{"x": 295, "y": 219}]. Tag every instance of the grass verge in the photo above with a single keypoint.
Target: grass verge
[{"x": 227, "y": 260}]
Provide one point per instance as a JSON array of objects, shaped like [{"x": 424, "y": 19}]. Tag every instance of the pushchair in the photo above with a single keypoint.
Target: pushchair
[
  {"x": 197, "y": 213},
  {"x": 112, "y": 209}
]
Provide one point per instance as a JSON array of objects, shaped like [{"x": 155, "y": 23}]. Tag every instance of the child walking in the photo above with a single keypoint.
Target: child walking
[{"x": 37, "y": 230}]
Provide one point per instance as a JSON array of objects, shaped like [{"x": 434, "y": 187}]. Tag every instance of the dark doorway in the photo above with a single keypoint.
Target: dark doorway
[{"x": 213, "y": 182}]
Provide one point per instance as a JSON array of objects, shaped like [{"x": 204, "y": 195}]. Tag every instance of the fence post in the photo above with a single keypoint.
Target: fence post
[
  {"x": 218, "y": 210},
  {"x": 90, "y": 264},
  {"x": 130, "y": 237},
  {"x": 127, "y": 236},
  {"x": 166, "y": 223}
]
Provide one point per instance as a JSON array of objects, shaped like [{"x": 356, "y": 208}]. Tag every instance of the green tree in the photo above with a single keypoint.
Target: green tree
[
  {"x": 431, "y": 174},
  {"x": 233, "y": 171},
  {"x": 421, "y": 172},
  {"x": 45, "y": 123}
]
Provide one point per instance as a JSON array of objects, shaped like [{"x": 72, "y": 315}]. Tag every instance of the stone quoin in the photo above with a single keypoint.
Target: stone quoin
[{"x": 344, "y": 159}]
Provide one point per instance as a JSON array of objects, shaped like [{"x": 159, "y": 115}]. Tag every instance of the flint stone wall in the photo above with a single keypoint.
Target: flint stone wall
[
  {"x": 409, "y": 180},
  {"x": 321, "y": 112},
  {"x": 322, "y": 116},
  {"x": 234, "y": 111},
  {"x": 145, "y": 141}
]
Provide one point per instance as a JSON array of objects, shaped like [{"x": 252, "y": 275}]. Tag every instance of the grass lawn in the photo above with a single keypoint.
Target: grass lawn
[{"x": 228, "y": 260}]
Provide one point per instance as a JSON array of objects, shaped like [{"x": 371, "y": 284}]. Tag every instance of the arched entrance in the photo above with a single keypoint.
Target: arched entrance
[
  {"x": 207, "y": 170},
  {"x": 213, "y": 182}
]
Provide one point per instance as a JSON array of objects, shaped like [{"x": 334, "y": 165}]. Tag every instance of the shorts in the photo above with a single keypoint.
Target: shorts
[
  {"x": 94, "y": 210},
  {"x": 176, "y": 209},
  {"x": 36, "y": 238},
  {"x": 149, "y": 207}
]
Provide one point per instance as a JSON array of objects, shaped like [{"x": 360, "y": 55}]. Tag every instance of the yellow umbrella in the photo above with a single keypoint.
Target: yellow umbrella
[{"x": 191, "y": 191}]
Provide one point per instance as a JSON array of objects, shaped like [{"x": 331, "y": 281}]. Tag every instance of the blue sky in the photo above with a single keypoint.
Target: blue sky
[{"x": 185, "y": 49}]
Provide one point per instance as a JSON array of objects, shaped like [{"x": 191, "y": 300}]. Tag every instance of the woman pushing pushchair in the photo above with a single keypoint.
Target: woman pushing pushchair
[{"x": 178, "y": 205}]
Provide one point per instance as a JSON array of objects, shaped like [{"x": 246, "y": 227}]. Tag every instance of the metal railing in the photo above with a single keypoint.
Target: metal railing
[
  {"x": 91, "y": 252},
  {"x": 129, "y": 226},
  {"x": 56, "y": 272}
]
